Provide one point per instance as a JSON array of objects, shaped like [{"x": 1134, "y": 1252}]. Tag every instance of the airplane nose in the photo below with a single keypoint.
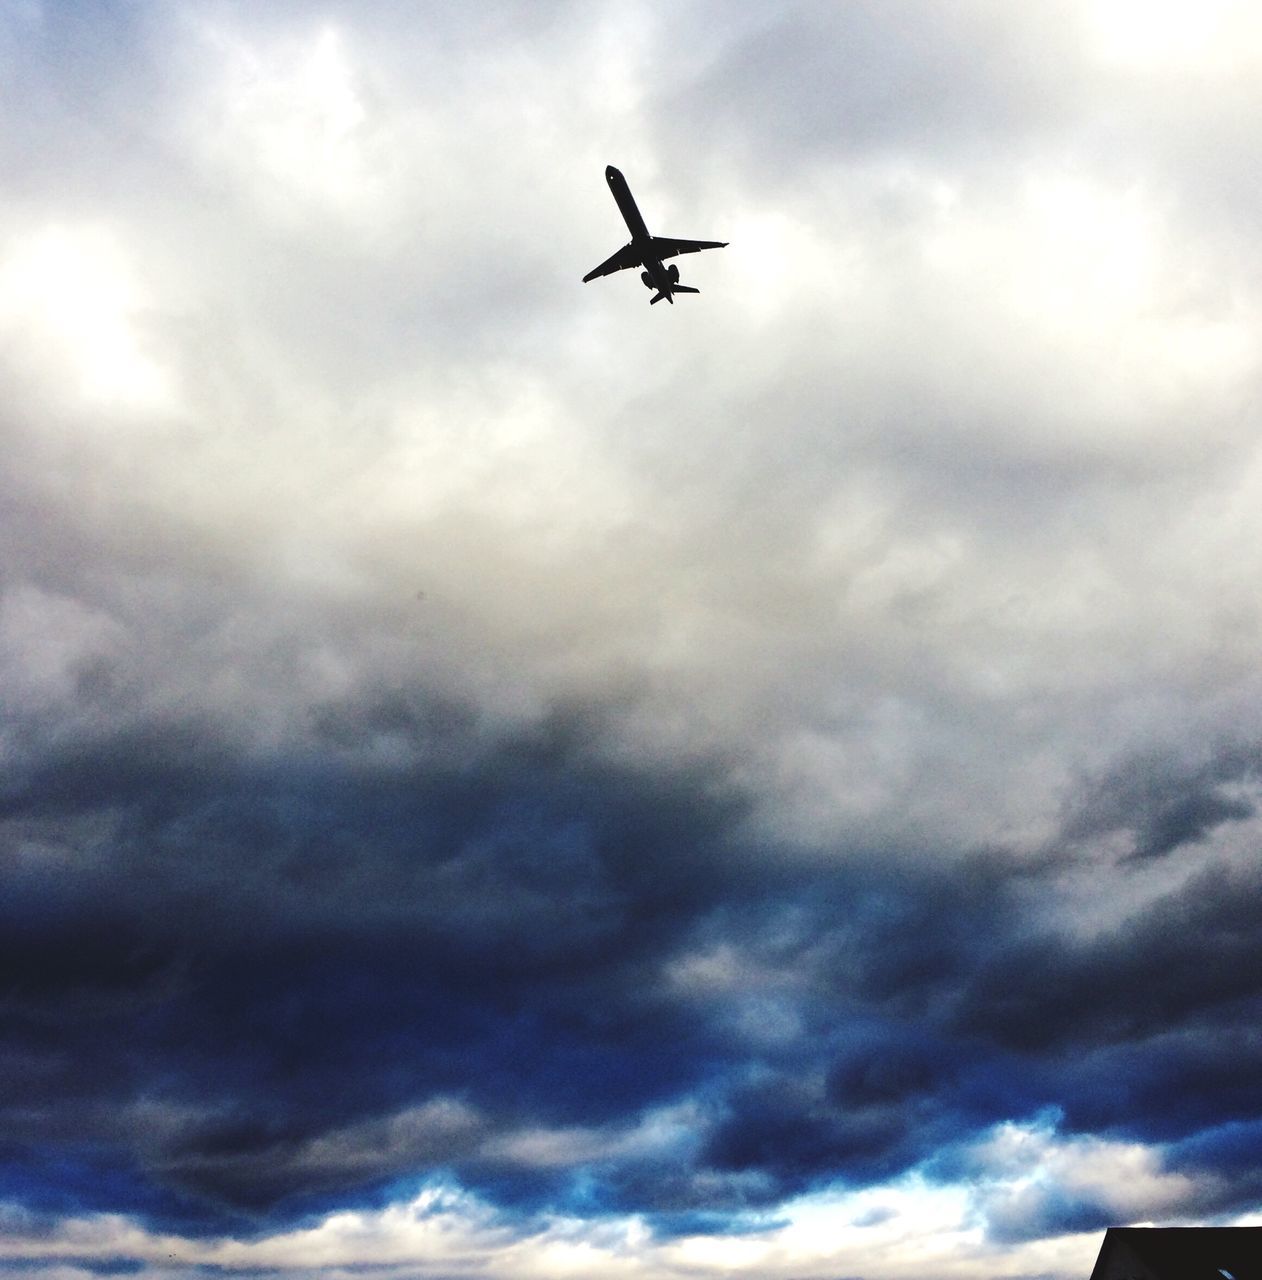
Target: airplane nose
[{"x": 610, "y": 171}]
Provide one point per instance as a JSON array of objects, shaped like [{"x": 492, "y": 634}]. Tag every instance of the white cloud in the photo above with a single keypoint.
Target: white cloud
[
  {"x": 71, "y": 302},
  {"x": 1191, "y": 35},
  {"x": 1028, "y": 1173}
]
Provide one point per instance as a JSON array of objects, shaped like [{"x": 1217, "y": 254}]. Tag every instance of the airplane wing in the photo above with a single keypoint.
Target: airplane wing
[
  {"x": 623, "y": 260},
  {"x": 668, "y": 248}
]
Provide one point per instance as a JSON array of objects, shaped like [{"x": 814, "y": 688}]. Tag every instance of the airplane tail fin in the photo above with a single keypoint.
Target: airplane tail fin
[{"x": 657, "y": 297}]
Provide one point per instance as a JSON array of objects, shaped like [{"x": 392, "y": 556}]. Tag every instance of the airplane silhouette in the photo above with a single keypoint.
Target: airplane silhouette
[{"x": 647, "y": 250}]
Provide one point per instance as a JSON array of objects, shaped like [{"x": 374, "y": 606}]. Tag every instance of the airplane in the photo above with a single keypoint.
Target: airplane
[{"x": 646, "y": 250}]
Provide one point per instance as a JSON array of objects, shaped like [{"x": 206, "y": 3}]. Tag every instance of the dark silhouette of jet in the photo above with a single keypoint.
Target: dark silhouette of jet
[{"x": 645, "y": 250}]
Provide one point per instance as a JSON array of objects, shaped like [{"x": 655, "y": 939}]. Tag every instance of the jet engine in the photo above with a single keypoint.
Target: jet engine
[
  {"x": 673, "y": 271},
  {"x": 648, "y": 279}
]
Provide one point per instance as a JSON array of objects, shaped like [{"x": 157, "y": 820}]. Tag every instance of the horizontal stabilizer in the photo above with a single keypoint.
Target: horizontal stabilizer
[{"x": 683, "y": 288}]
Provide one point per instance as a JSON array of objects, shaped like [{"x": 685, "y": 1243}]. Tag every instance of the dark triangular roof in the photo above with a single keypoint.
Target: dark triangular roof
[{"x": 1180, "y": 1253}]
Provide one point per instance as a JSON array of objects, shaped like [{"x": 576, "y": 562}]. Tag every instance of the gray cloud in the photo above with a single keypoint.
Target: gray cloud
[
  {"x": 812, "y": 82},
  {"x": 1166, "y": 805}
]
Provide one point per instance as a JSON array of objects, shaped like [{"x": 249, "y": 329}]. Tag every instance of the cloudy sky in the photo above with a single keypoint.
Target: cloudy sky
[{"x": 501, "y": 781}]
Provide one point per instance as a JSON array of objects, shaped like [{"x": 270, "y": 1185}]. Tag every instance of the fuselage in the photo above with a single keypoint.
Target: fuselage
[
  {"x": 654, "y": 271},
  {"x": 626, "y": 204}
]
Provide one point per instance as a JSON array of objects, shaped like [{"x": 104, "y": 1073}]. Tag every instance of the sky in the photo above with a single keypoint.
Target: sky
[{"x": 502, "y": 782}]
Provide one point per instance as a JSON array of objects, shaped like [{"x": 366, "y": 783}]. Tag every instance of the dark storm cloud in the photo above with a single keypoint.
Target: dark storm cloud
[
  {"x": 1192, "y": 956},
  {"x": 1225, "y": 1159},
  {"x": 293, "y": 950},
  {"x": 1202, "y": 1081},
  {"x": 1163, "y": 803},
  {"x": 276, "y": 984},
  {"x": 788, "y": 1132}
]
